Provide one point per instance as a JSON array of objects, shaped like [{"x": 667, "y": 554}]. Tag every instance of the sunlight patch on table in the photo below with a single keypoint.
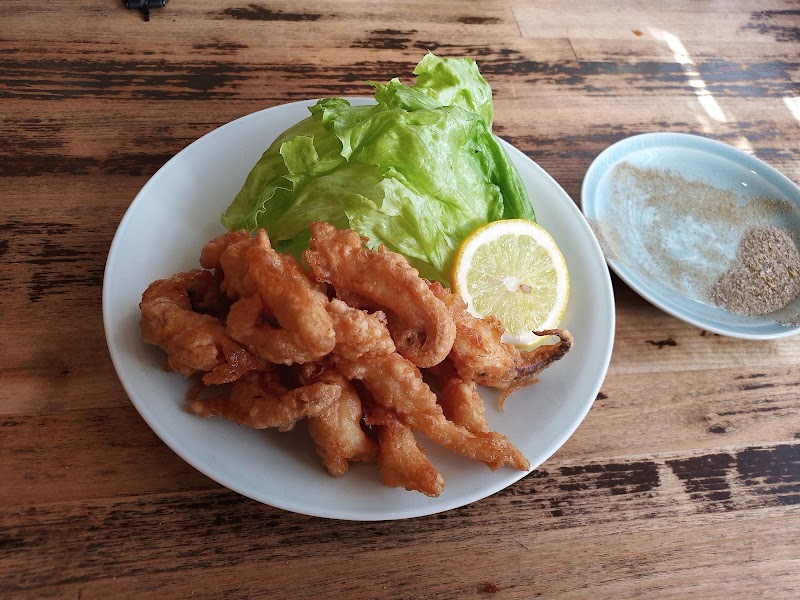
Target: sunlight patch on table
[
  {"x": 793, "y": 104},
  {"x": 706, "y": 99}
]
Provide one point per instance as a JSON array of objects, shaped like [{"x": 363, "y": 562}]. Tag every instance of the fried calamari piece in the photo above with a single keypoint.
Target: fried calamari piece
[
  {"x": 533, "y": 362},
  {"x": 359, "y": 334},
  {"x": 459, "y": 398},
  {"x": 258, "y": 401},
  {"x": 280, "y": 288},
  {"x": 489, "y": 447},
  {"x": 401, "y": 462},
  {"x": 206, "y": 298},
  {"x": 227, "y": 254},
  {"x": 238, "y": 362},
  {"x": 246, "y": 324},
  {"x": 423, "y": 330},
  {"x": 192, "y": 340},
  {"x": 396, "y": 384},
  {"x": 479, "y": 355},
  {"x": 336, "y": 430}
]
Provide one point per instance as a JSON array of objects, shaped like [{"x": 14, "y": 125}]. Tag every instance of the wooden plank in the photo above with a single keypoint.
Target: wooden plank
[
  {"x": 275, "y": 25},
  {"x": 723, "y": 22},
  {"x": 638, "y": 48},
  {"x": 701, "y": 10},
  {"x": 712, "y": 409},
  {"x": 223, "y": 79},
  {"x": 570, "y": 516},
  {"x": 88, "y": 454}
]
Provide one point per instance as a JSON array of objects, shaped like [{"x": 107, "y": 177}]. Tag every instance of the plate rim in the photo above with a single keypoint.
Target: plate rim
[
  {"x": 619, "y": 150},
  {"x": 165, "y": 437}
]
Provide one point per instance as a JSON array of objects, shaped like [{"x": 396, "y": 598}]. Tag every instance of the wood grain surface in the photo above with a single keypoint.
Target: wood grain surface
[{"x": 684, "y": 479}]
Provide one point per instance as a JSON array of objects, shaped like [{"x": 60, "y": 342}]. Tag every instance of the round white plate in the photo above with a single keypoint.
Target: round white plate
[
  {"x": 162, "y": 233},
  {"x": 693, "y": 158}
]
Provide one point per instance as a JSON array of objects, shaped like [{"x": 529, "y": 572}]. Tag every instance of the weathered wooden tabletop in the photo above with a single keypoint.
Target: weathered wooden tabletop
[{"x": 684, "y": 479}]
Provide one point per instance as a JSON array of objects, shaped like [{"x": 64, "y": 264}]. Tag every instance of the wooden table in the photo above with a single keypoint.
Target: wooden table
[{"x": 684, "y": 479}]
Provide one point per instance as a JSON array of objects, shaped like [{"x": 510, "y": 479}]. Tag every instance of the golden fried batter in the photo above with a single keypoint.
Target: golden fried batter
[
  {"x": 460, "y": 399},
  {"x": 359, "y": 334},
  {"x": 401, "y": 462},
  {"x": 258, "y": 402},
  {"x": 336, "y": 430},
  {"x": 397, "y": 385},
  {"x": 423, "y": 330},
  {"x": 226, "y": 254},
  {"x": 192, "y": 340},
  {"x": 279, "y": 286}
]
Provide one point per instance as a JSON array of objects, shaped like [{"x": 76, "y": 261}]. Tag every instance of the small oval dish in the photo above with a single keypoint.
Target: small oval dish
[{"x": 670, "y": 211}]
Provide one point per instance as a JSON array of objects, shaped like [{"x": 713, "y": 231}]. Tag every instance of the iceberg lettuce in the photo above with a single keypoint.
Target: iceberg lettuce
[{"x": 418, "y": 171}]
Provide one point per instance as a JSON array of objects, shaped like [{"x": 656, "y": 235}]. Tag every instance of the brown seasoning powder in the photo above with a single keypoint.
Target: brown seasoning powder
[{"x": 765, "y": 276}]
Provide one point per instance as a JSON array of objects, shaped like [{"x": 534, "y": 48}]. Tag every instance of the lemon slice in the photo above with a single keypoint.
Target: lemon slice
[{"x": 513, "y": 270}]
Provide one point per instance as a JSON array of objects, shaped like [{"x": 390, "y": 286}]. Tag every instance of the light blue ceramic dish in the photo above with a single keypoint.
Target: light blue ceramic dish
[{"x": 693, "y": 158}]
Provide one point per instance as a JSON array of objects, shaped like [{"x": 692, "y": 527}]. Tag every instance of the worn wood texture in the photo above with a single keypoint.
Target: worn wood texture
[{"x": 684, "y": 480}]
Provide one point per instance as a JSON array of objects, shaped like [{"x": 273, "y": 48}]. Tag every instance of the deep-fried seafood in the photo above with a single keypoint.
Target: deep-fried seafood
[
  {"x": 192, "y": 340},
  {"x": 533, "y": 362},
  {"x": 336, "y": 430},
  {"x": 359, "y": 334},
  {"x": 423, "y": 330},
  {"x": 355, "y": 360},
  {"x": 479, "y": 355},
  {"x": 279, "y": 286},
  {"x": 401, "y": 462},
  {"x": 396, "y": 384},
  {"x": 205, "y": 296},
  {"x": 227, "y": 254},
  {"x": 459, "y": 398},
  {"x": 238, "y": 361},
  {"x": 259, "y": 402},
  {"x": 277, "y": 345}
]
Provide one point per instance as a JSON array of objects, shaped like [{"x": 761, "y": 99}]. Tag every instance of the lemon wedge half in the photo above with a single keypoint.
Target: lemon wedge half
[{"x": 513, "y": 269}]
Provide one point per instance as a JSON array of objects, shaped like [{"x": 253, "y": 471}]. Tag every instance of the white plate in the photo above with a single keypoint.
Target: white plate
[
  {"x": 693, "y": 158},
  {"x": 162, "y": 233}
]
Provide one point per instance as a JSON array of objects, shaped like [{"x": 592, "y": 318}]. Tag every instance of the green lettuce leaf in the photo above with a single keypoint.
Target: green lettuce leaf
[{"x": 418, "y": 171}]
